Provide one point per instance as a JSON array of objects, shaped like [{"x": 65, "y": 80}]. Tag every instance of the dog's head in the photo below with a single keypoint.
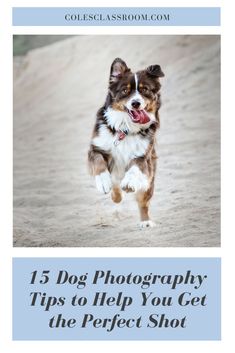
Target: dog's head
[{"x": 135, "y": 93}]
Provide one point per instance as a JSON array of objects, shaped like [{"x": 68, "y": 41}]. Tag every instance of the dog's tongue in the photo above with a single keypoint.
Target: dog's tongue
[{"x": 139, "y": 116}]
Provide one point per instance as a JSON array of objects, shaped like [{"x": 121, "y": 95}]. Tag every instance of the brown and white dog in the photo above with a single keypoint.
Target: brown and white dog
[{"x": 122, "y": 152}]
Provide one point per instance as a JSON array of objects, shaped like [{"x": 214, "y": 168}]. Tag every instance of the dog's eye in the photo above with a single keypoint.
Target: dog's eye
[
  {"x": 145, "y": 89},
  {"x": 124, "y": 91}
]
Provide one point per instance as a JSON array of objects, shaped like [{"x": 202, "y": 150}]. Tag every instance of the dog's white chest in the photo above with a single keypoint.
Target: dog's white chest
[{"x": 132, "y": 146}]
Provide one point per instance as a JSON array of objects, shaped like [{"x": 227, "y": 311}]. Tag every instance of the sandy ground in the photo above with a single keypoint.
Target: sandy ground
[{"x": 57, "y": 91}]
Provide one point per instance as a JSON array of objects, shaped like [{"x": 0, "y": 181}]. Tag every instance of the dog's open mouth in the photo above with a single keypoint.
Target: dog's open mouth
[{"x": 139, "y": 116}]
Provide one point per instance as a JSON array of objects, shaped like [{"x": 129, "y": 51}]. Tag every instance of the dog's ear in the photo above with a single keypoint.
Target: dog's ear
[
  {"x": 155, "y": 71},
  {"x": 118, "y": 69}
]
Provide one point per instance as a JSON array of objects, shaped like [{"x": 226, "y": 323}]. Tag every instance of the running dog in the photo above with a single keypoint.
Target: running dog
[{"x": 122, "y": 155}]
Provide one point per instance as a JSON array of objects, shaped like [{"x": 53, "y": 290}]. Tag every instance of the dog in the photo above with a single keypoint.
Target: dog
[{"x": 122, "y": 154}]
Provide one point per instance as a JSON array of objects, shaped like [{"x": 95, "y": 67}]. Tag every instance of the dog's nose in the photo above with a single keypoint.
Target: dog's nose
[{"x": 135, "y": 104}]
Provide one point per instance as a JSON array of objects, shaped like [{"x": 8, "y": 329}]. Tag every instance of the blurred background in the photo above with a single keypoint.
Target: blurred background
[{"x": 24, "y": 43}]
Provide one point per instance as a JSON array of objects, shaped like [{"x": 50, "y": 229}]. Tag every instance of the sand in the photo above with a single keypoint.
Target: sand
[{"x": 57, "y": 91}]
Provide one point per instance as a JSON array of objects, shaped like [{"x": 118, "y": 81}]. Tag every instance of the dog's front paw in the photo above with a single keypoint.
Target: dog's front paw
[
  {"x": 134, "y": 180},
  {"x": 147, "y": 224},
  {"x": 103, "y": 182}
]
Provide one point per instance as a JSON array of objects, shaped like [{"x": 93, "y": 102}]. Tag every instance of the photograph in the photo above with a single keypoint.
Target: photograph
[{"x": 116, "y": 140}]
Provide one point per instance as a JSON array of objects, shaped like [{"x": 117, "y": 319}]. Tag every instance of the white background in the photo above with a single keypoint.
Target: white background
[{"x": 228, "y": 180}]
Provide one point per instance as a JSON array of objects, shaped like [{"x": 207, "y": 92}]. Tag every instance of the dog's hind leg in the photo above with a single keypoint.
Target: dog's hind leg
[
  {"x": 143, "y": 199},
  {"x": 116, "y": 194}
]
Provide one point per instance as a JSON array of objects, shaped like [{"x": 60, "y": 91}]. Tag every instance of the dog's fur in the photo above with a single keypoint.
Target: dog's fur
[{"x": 122, "y": 152}]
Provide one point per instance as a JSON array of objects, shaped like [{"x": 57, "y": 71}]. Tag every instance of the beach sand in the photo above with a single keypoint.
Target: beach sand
[{"x": 57, "y": 92}]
